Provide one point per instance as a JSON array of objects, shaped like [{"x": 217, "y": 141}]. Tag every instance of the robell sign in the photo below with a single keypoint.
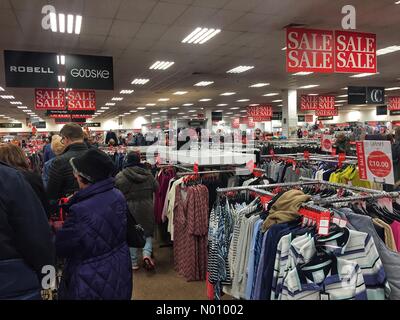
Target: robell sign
[{"x": 324, "y": 51}]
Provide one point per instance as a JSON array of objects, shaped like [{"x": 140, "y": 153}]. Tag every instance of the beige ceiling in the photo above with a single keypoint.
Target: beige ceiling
[{"x": 139, "y": 32}]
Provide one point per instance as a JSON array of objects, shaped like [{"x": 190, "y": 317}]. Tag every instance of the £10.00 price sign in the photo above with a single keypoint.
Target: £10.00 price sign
[
  {"x": 375, "y": 161},
  {"x": 327, "y": 143}
]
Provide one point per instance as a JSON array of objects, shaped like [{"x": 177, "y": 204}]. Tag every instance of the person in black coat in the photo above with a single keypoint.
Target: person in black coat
[
  {"x": 111, "y": 135},
  {"x": 62, "y": 182},
  {"x": 15, "y": 157},
  {"x": 25, "y": 238}
]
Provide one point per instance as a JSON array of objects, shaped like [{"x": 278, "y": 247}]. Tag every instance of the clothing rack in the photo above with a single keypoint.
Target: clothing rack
[
  {"x": 313, "y": 157},
  {"x": 338, "y": 185},
  {"x": 358, "y": 198}
]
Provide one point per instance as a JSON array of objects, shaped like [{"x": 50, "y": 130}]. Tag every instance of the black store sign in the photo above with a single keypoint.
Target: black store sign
[
  {"x": 276, "y": 116},
  {"x": 39, "y": 125},
  {"x": 92, "y": 125},
  {"x": 301, "y": 118},
  {"x": 89, "y": 72},
  {"x": 366, "y": 95},
  {"x": 395, "y": 113},
  {"x": 26, "y": 69},
  {"x": 11, "y": 125},
  {"x": 324, "y": 118},
  {"x": 69, "y": 112}
]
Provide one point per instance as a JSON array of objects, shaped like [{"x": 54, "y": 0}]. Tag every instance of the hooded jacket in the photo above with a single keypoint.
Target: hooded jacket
[{"x": 138, "y": 186}]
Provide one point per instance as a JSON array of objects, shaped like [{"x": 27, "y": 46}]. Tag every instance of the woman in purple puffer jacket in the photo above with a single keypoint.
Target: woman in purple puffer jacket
[{"x": 93, "y": 238}]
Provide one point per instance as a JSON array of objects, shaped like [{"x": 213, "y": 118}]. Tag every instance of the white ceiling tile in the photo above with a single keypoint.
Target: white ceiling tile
[
  {"x": 124, "y": 28},
  {"x": 224, "y": 18},
  {"x": 69, "y": 6},
  {"x": 95, "y": 26},
  {"x": 166, "y": 13},
  {"x": 140, "y": 44},
  {"x": 151, "y": 31},
  {"x": 8, "y": 18},
  {"x": 195, "y": 16},
  {"x": 135, "y": 10},
  {"x": 218, "y": 4},
  {"x": 101, "y": 8},
  {"x": 117, "y": 42},
  {"x": 91, "y": 42},
  {"x": 30, "y": 22},
  {"x": 187, "y": 2},
  {"x": 244, "y": 5},
  {"x": 28, "y": 5}
]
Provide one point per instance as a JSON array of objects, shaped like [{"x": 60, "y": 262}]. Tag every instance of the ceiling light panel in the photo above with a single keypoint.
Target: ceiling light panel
[
  {"x": 163, "y": 99},
  {"x": 302, "y": 73},
  {"x": 228, "y": 93},
  {"x": 16, "y": 102},
  {"x": 259, "y": 85},
  {"x": 392, "y": 89},
  {"x": 175, "y": 108},
  {"x": 387, "y": 50},
  {"x": 205, "y": 100},
  {"x": 180, "y": 93},
  {"x": 141, "y": 108},
  {"x": 117, "y": 99},
  {"x": 204, "y": 83},
  {"x": 240, "y": 69},
  {"x": 126, "y": 91},
  {"x": 187, "y": 104},
  {"x": 222, "y": 105},
  {"x": 201, "y": 35},
  {"x": 363, "y": 75},
  {"x": 111, "y": 104},
  {"x": 7, "y": 97},
  {"x": 140, "y": 81},
  {"x": 65, "y": 23},
  {"x": 310, "y": 86},
  {"x": 161, "y": 65},
  {"x": 272, "y": 94},
  {"x": 242, "y": 100}
]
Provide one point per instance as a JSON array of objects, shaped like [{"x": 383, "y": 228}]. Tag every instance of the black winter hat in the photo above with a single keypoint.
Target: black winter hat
[
  {"x": 132, "y": 159},
  {"x": 94, "y": 165}
]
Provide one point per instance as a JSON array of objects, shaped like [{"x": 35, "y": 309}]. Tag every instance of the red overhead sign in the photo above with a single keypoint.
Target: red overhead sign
[
  {"x": 326, "y": 113},
  {"x": 309, "y": 50},
  {"x": 309, "y": 118},
  {"x": 324, "y": 102},
  {"x": 394, "y": 103},
  {"x": 355, "y": 52},
  {"x": 260, "y": 113},
  {"x": 323, "y": 51},
  {"x": 49, "y": 99},
  {"x": 236, "y": 123},
  {"x": 250, "y": 123},
  {"x": 81, "y": 100}
]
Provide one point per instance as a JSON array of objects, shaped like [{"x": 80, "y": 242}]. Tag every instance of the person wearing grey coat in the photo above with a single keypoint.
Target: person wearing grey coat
[{"x": 138, "y": 186}]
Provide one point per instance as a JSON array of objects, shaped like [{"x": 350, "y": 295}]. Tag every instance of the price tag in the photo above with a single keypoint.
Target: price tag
[
  {"x": 306, "y": 155},
  {"x": 323, "y": 223},
  {"x": 341, "y": 159},
  {"x": 196, "y": 167}
]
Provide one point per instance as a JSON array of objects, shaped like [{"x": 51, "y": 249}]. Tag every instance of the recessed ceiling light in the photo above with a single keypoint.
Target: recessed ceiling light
[
  {"x": 205, "y": 100},
  {"x": 203, "y": 83},
  {"x": 187, "y": 104},
  {"x": 111, "y": 104},
  {"x": 105, "y": 108},
  {"x": 387, "y": 50},
  {"x": 175, "y": 108},
  {"x": 16, "y": 102},
  {"x": 284, "y": 48},
  {"x": 363, "y": 75},
  {"x": 243, "y": 100},
  {"x": 163, "y": 99},
  {"x": 234, "y": 108},
  {"x": 254, "y": 105},
  {"x": 228, "y": 93},
  {"x": 180, "y": 93},
  {"x": 141, "y": 108},
  {"x": 271, "y": 94},
  {"x": 302, "y": 73},
  {"x": 344, "y": 88},
  {"x": 338, "y": 105},
  {"x": 161, "y": 65},
  {"x": 309, "y": 86},
  {"x": 277, "y": 100},
  {"x": 101, "y": 111},
  {"x": 340, "y": 101},
  {"x": 26, "y": 111},
  {"x": 21, "y": 107},
  {"x": 117, "y": 99},
  {"x": 181, "y": 113},
  {"x": 133, "y": 111},
  {"x": 140, "y": 81},
  {"x": 7, "y": 97},
  {"x": 342, "y": 96},
  {"x": 246, "y": 110},
  {"x": 60, "y": 26},
  {"x": 147, "y": 115},
  {"x": 155, "y": 113},
  {"x": 163, "y": 111},
  {"x": 61, "y": 59},
  {"x": 222, "y": 105},
  {"x": 240, "y": 69},
  {"x": 126, "y": 113},
  {"x": 392, "y": 89},
  {"x": 201, "y": 35},
  {"x": 229, "y": 113},
  {"x": 192, "y": 111},
  {"x": 219, "y": 111},
  {"x": 259, "y": 85},
  {"x": 61, "y": 79},
  {"x": 126, "y": 91}
]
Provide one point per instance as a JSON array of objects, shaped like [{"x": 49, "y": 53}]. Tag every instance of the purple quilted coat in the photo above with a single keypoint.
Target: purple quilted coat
[{"x": 93, "y": 241}]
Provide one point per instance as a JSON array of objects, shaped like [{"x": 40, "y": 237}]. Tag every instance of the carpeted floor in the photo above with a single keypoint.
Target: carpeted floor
[{"x": 164, "y": 283}]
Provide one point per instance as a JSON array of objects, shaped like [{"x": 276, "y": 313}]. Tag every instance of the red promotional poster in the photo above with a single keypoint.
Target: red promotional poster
[
  {"x": 326, "y": 103},
  {"x": 362, "y": 168},
  {"x": 49, "y": 99},
  {"x": 81, "y": 116},
  {"x": 250, "y": 122},
  {"x": 394, "y": 103},
  {"x": 309, "y": 50},
  {"x": 81, "y": 100},
  {"x": 236, "y": 123},
  {"x": 326, "y": 113},
  {"x": 260, "y": 113},
  {"x": 327, "y": 143},
  {"x": 60, "y": 116},
  {"x": 244, "y": 120},
  {"x": 308, "y": 102},
  {"x": 341, "y": 159},
  {"x": 309, "y": 118},
  {"x": 355, "y": 52}
]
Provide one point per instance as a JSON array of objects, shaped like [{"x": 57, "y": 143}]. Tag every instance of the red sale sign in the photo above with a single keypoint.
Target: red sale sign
[
  {"x": 236, "y": 123},
  {"x": 260, "y": 113},
  {"x": 309, "y": 102},
  {"x": 81, "y": 100},
  {"x": 49, "y": 99},
  {"x": 309, "y": 50},
  {"x": 250, "y": 123},
  {"x": 327, "y": 143},
  {"x": 355, "y": 52},
  {"x": 375, "y": 161},
  {"x": 326, "y": 113},
  {"x": 326, "y": 103},
  {"x": 309, "y": 118},
  {"x": 394, "y": 103}
]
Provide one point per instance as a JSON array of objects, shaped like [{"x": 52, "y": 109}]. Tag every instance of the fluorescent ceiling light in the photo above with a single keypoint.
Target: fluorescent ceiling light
[
  {"x": 16, "y": 102},
  {"x": 234, "y": 108},
  {"x": 277, "y": 101},
  {"x": 61, "y": 78},
  {"x": 205, "y": 100},
  {"x": 392, "y": 89},
  {"x": 53, "y": 21},
  {"x": 140, "y": 81},
  {"x": 78, "y": 24},
  {"x": 61, "y": 59},
  {"x": 345, "y": 88},
  {"x": 181, "y": 113},
  {"x": 26, "y": 111},
  {"x": 105, "y": 108},
  {"x": 117, "y": 99},
  {"x": 363, "y": 75},
  {"x": 240, "y": 69},
  {"x": 192, "y": 111},
  {"x": 187, "y": 104},
  {"x": 313, "y": 94},
  {"x": 284, "y": 48},
  {"x": 2, "y": 89},
  {"x": 251, "y": 105},
  {"x": 61, "y": 22},
  {"x": 243, "y": 100},
  {"x": 203, "y": 83},
  {"x": 150, "y": 104},
  {"x": 126, "y": 113},
  {"x": 222, "y": 105},
  {"x": 227, "y": 94},
  {"x": 163, "y": 111},
  {"x": 342, "y": 96},
  {"x": 340, "y": 101},
  {"x": 155, "y": 113},
  {"x": 180, "y": 93},
  {"x": 70, "y": 23},
  {"x": 7, "y": 97},
  {"x": 133, "y": 111},
  {"x": 175, "y": 108},
  {"x": 201, "y": 35},
  {"x": 271, "y": 94},
  {"x": 141, "y": 108},
  {"x": 387, "y": 50},
  {"x": 101, "y": 111},
  {"x": 338, "y": 105},
  {"x": 161, "y": 65},
  {"x": 229, "y": 113},
  {"x": 259, "y": 85},
  {"x": 22, "y": 107},
  {"x": 163, "y": 99},
  {"x": 126, "y": 91},
  {"x": 302, "y": 73},
  {"x": 309, "y": 86},
  {"x": 111, "y": 104}
]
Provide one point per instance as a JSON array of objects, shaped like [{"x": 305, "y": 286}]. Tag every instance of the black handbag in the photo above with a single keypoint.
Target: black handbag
[{"x": 135, "y": 233}]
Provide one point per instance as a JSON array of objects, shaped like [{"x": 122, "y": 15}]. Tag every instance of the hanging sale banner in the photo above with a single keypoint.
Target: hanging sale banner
[
  {"x": 244, "y": 120},
  {"x": 375, "y": 161},
  {"x": 326, "y": 103},
  {"x": 309, "y": 50},
  {"x": 236, "y": 123},
  {"x": 309, "y": 118},
  {"x": 81, "y": 100},
  {"x": 327, "y": 143},
  {"x": 309, "y": 102},
  {"x": 394, "y": 103},
  {"x": 250, "y": 123},
  {"x": 260, "y": 113},
  {"x": 355, "y": 52},
  {"x": 326, "y": 113},
  {"x": 49, "y": 99}
]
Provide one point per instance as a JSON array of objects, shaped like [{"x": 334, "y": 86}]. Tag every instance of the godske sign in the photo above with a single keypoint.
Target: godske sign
[{"x": 325, "y": 51}]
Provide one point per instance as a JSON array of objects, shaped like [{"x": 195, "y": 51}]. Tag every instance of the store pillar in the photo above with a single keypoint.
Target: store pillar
[{"x": 289, "y": 113}]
